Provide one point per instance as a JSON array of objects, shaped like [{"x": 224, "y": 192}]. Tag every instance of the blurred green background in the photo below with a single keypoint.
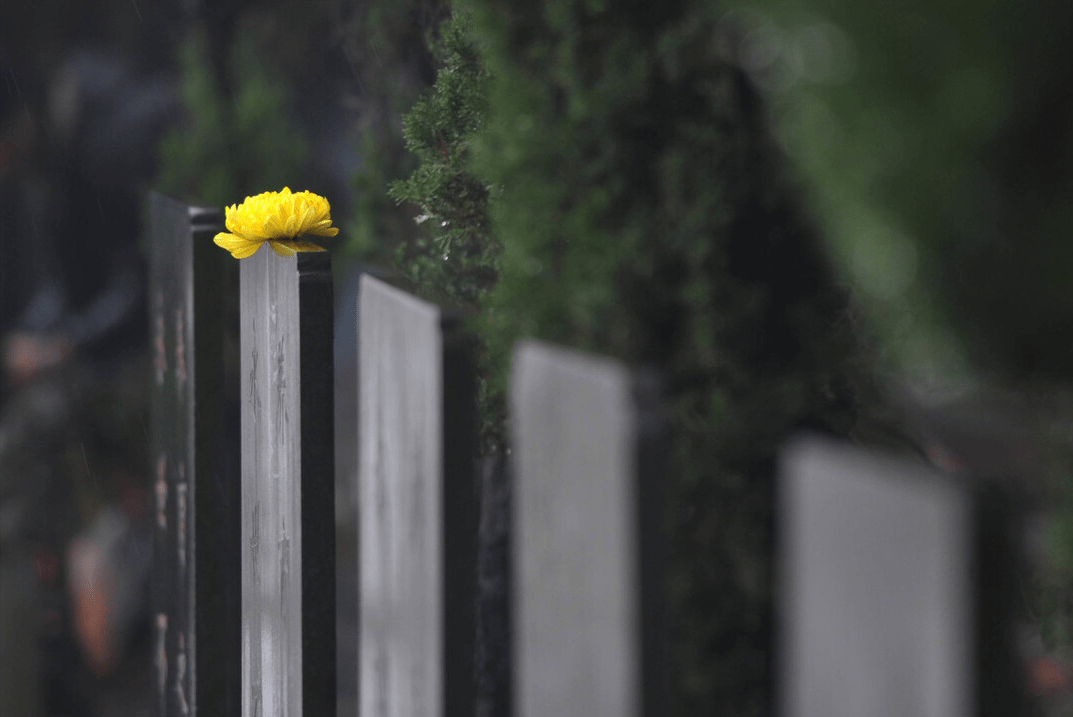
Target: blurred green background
[{"x": 790, "y": 208}]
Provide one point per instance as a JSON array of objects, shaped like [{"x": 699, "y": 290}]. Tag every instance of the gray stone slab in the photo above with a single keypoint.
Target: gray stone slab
[
  {"x": 416, "y": 493},
  {"x": 288, "y": 588},
  {"x": 578, "y": 593},
  {"x": 194, "y": 436},
  {"x": 878, "y": 611}
]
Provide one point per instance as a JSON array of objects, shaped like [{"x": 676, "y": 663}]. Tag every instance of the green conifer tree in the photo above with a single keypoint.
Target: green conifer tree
[
  {"x": 455, "y": 259},
  {"x": 386, "y": 43}
]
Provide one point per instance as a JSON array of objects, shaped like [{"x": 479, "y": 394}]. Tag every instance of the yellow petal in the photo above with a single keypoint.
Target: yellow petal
[
  {"x": 323, "y": 229},
  {"x": 281, "y": 216},
  {"x": 246, "y": 251},
  {"x": 300, "y": 245},
  {"x": 290, "y": 226},
  {"x": 231, "y": 242},
  {"x": 289, "y": 247},
  {"x": 282, "y": 247}
]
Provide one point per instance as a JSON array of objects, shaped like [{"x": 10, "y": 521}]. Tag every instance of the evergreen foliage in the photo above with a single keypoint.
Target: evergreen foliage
[
  {"x": 646, "y": 214},
  {"x": 456, "y": 259},
  {"x": 386, "y": 43}
]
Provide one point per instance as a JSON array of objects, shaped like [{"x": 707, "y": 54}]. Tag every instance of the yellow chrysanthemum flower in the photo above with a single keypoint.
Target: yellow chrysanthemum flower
[{"x": 278, "y": 218}]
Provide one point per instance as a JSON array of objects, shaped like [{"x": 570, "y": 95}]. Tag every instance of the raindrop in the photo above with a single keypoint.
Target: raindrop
[{"x": 85, "y": 460}]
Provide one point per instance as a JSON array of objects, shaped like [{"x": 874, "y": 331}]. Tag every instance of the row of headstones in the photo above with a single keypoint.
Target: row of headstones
[{"x": 892, "y": 576}]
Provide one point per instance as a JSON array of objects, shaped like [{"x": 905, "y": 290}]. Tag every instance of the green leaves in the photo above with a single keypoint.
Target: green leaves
[{"x": 456, "y": 259}]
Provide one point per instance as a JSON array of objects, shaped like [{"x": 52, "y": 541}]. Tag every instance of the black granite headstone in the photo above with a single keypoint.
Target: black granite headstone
[
  {"x": 193, "y": 311},
  {"x": 417, "y": 508},
  {"x": 897, "y": 587},
  {"x": 288, "y": 486},
  {"x": 586, "y": 621}
]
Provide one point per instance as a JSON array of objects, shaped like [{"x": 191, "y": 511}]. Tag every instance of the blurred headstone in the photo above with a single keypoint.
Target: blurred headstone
[
  {"x": 417, "y": 508},
  {"x": 494, "y": 632},
  {"x": 288, "y": 486},
  {"x": 585, "y": 616},
  {"x": 346, "y": 499},
  {"x": 193, "y": 297},
  {"x": 896, "y": 589}
]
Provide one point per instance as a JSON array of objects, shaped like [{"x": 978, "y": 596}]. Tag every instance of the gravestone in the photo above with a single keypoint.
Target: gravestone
[
  {"x": 346, "y": 499},
  {"x": 897, "y": 588},
  {"x": 288, "y": 490},
  {"x": 193, "y": 294},
  {"x": 585, "y": 454},
  {"x": 417, "y": 508}
]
